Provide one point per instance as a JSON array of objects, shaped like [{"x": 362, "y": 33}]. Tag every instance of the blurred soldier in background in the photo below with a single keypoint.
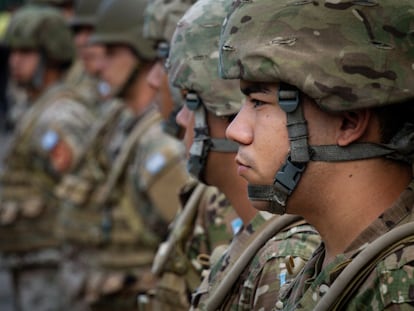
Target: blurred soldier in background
[
  {"x": 120, "y": 200},
  {"x": 84, "y": 72},
  {"x": 161, "y": 18},
  {"x": 13, "y": 99},
  {"x": 41, "y": 50},
  {"x": 4, "y": 55},
  {"x": 211, "y": 105},
  {"x": 16, "y": 96}
]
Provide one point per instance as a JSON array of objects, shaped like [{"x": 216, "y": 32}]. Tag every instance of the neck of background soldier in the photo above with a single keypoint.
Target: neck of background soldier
[
  {"x": 50, "y": 77},
  {"x": 140, "y": 95}
]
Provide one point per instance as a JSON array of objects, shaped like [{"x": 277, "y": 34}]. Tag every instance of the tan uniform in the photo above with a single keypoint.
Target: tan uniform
[
  {"x": 126, "y": 195},
  {"x": 28, "y": 209}
]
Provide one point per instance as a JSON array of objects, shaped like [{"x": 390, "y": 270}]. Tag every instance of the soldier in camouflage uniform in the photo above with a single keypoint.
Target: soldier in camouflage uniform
[
  {"x": 84, "y": 71},
  {"x": 119, "y": 201},
  {"x": 193, "y": 67},
  {"x": 161, "y": 18},
  {"x": 41, "y": 51},
  {"x": 339, "y": 75},
  {"x": 205, "y": 222},
  {"x": 81, "y": 16}
]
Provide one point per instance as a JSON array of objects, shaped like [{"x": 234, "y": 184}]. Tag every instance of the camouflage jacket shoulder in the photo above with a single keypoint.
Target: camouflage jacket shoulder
[
  {"x": 155, "y": 153},
  {"x": 388, "y": 285},
  {"x": 86, "y": 85},
  {"x": 27, "y": 183},
  {"x": 214, "y": 226},
  {"x": 199, "y": 233},
  {"x": 258, "y": 285}
]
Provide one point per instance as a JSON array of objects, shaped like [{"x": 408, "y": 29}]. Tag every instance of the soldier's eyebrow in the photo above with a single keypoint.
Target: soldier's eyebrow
[{"x": 254, "y": 88}]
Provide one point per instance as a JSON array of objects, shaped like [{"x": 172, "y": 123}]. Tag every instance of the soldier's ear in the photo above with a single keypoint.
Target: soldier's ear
[{"x": 355, "y": 125}]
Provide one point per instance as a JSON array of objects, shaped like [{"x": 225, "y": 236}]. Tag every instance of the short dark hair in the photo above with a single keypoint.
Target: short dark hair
[{"x": 392, "y": 118}]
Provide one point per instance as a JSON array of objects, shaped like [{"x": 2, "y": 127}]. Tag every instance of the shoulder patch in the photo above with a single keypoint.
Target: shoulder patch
[
  {"x": 155, "y": 163},
  {"x": 49, "y": 140},
  {"x": 236, "y": 225}
]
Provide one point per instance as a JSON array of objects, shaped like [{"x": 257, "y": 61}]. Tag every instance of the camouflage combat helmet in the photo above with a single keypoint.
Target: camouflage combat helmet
[
  {"x": 85, "y": 13},
  {"x": 42, "y": 29},
  {"x": 160, "y": 20},
  {"x": 346, "y": 55},
  {"x": 193, "y": 66},
  {"x": 193, "y": 63},
  {"x": 121, "y": 22}
]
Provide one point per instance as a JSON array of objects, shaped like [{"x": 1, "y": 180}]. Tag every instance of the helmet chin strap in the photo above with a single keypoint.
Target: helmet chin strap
[
  {"x": 122, "y": 91},
  {"x": 203, "y": 143},
  {"x": 38, "y": 78},
  {"x": 287, "y": 178}
]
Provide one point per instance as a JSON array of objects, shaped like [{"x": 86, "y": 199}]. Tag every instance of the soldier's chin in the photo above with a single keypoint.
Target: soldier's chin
[
  {"x": 261, "y": 205},
  {"x": 22, "y": 83}
]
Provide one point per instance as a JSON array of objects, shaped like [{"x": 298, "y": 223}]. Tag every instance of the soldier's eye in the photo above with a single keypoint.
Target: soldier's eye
[{"x": 256, "y": 103}]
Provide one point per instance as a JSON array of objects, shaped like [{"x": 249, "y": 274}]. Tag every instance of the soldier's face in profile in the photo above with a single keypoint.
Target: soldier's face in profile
[
  {"x": 93, "y": 55},
  {"x": 23, "y": 64},
  {"x": 81, "y": 38},
  {"x": 158, "y": 79},
  {"x": 260, "y": 129},
  {"x": 90, "y": 54},
  {"x": 117, "y": 65}
]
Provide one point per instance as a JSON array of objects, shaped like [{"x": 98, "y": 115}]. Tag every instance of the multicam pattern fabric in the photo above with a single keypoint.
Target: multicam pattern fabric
[
  {"x": 123, "y": 232},
  {"x": 344, "y": 54},
  {"x": 387, "y": 287},
  {"x": 209, "y": 231},
  {"x": 69, "y": 122},
  {"x": 194, "y": 56},
  {"x": 213, "y": 226},
  {"x": 161, "y": 17},
  {"x": 258, "y": 286}
]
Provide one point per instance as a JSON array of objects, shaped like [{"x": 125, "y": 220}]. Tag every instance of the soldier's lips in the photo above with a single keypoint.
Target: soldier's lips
[{"x": 242, "y": 168}]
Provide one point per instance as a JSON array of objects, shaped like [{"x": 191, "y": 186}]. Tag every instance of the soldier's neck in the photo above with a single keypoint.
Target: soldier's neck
[{"x": 140, "y": 95}]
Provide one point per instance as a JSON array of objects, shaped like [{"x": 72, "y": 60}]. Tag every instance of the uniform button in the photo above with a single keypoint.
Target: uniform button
[{"x": 279, "y": 305}]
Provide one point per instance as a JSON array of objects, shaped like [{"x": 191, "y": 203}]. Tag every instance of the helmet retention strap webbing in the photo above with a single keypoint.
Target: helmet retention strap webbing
[
  {"x": 288, "y": 176},
  {"x": 203, "y": 143}
]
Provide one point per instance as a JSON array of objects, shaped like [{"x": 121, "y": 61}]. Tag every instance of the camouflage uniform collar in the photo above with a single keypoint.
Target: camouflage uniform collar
[
  {"x": 255, "y": 223},
  {"x": 400, "y": 212}
]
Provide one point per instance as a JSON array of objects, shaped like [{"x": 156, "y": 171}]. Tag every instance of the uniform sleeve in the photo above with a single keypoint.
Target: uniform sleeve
[
  {"x": 390, "y": 286},
  {"x": 160, "y": 173}
]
